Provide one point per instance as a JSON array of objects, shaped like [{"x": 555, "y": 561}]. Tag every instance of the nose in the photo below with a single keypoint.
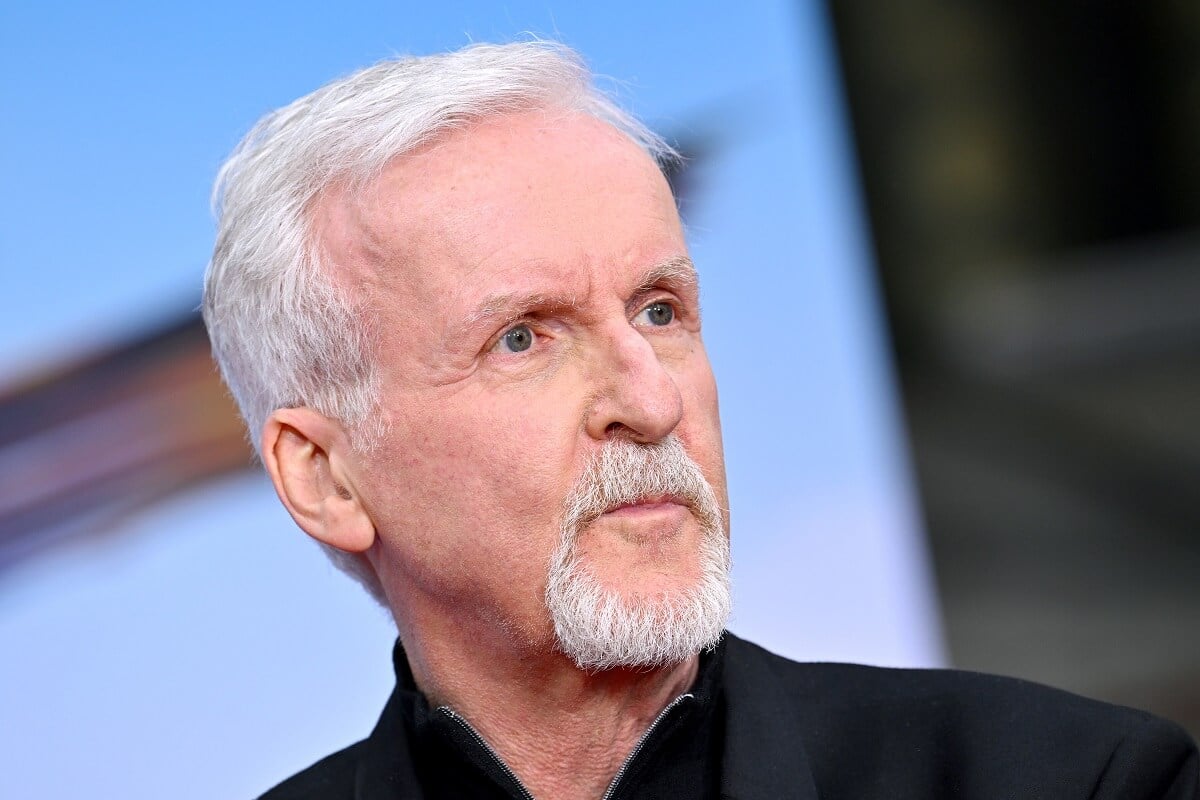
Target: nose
[{"x": 636, "y": 396}]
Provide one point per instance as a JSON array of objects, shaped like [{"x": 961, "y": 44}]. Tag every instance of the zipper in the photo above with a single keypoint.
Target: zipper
[
  {"x": 487, "y": 748},
  {"x": 641, "y": 743},
  {"x": 612, "y": 786}
]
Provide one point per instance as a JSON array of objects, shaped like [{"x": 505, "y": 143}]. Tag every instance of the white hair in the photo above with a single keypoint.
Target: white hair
[
  {"x": 598, "y": 627},
  {"x": 284, "y": 331}
]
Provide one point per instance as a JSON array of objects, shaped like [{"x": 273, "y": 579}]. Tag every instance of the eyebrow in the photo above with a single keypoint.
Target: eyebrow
[
  {"x": 512, "y": 305},
  {"x": 677, "y": 270}
]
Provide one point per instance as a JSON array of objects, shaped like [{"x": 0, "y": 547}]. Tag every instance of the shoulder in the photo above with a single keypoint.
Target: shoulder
[
  {"x": 876, "y": 693},
  {"x": 331, "y": 778},
  {"x": 978, "y": 734}
]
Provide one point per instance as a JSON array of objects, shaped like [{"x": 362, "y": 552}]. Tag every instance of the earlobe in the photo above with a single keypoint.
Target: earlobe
[{"x": 308, "y": 458}]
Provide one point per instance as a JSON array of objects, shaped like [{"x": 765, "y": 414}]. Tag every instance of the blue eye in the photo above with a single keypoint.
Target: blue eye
[
  {"x": 657, "y": 314},
  {"x": 516, "y": 339}
]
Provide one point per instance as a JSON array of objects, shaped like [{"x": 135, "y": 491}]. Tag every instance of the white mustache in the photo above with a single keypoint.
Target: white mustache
[{"x": 624, "y": 472}]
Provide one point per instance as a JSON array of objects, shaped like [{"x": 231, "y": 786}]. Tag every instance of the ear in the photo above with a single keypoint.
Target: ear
[{"x": 309, "y": 459}]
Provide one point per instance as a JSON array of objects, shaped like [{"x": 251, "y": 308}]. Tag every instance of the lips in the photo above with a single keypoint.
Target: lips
[{"x": 649, "y": 503}]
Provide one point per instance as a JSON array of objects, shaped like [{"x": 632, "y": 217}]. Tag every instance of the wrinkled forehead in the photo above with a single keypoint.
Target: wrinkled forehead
[{"x": 503, "y": 188}]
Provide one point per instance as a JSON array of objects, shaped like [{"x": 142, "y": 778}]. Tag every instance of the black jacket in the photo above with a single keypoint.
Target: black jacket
[{"x": 763, "y": 727}]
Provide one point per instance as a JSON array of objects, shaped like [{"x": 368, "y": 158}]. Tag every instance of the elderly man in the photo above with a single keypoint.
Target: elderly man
[{"x": 453, "y": 299}]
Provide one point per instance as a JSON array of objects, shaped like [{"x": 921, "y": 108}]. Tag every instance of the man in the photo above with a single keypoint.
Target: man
[{"x": 453, "y": 299}]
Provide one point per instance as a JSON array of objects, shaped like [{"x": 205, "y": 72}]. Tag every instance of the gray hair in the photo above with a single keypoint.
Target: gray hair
[{"x": 284, "y": 332}]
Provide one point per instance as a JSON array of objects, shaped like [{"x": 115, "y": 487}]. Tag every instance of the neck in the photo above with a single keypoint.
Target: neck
[{"x": 563, "y": 731}]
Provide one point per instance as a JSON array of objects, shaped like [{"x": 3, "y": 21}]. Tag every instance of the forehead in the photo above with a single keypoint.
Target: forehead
[{"x": 548, "y": 192}]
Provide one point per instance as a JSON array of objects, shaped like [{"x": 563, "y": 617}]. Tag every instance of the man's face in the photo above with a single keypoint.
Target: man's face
[{"x": 532, "y": 300}]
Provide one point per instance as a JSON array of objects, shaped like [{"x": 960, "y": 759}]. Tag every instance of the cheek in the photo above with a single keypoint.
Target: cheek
[
  {"x": 482, "y": 475},
  {"x": 701, "y": 432}
]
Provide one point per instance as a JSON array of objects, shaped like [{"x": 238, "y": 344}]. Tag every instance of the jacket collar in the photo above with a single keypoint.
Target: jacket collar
[
  {"x": 763, "y": 756},
  {"x": 386, "y": 769},
  {"x": 764, "y": 749}
]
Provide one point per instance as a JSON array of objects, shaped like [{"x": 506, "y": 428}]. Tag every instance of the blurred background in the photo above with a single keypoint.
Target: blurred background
[
  {"x": 1032, "y": 172},
  {"x": 951, "y": 267}
]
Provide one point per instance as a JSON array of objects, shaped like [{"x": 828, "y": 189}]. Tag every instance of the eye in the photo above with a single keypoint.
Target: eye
[
  {"x": 657, "y": 314},
  {"x": 516, "y": 339}
]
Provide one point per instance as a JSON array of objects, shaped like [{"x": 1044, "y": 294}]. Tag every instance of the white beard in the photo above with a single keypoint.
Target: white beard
[{"x": 596, "y": 626}]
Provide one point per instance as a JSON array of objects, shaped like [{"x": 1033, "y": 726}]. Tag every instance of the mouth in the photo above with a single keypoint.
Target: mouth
[{"x": 648, "y": 505}]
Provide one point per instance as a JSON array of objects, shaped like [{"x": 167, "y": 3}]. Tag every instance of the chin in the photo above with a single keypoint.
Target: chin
[{"x": 601, "y": 627}]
